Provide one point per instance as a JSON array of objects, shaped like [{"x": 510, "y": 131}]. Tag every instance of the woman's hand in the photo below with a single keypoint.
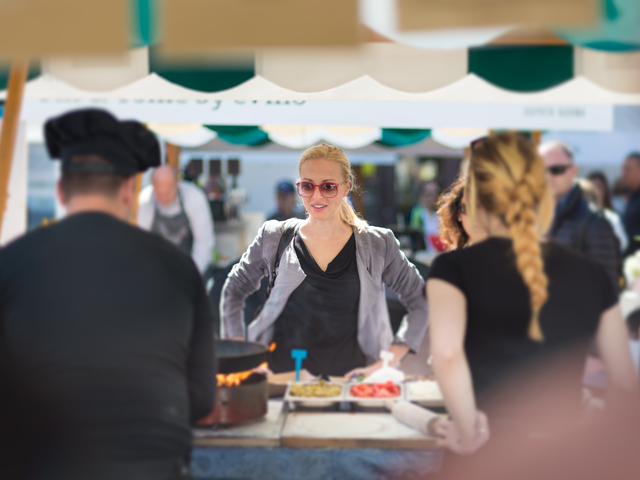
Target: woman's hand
[
  {"x": 451, "y": 439},
  {"x": 399, "y": 351},
  {"x": 364, "y": 371}
]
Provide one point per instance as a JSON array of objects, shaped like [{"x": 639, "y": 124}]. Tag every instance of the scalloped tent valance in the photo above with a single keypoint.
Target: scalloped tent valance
[
  {"x": 296, "y": 137},
  {"x": 406, "y": 69},
  {"x": 401, "y": 68}
]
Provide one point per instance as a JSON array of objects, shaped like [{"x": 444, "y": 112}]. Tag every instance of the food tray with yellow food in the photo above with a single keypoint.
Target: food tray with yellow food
[{"x": 318, "y": 393}]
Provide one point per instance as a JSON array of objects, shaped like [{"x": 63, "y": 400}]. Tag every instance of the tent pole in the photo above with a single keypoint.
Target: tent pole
[
  {"x": 536, "y": 136},
  {"x": 10, "y": 125},
  {"x": 136, "y": 199},
  {"x": 173, "y": 155}
]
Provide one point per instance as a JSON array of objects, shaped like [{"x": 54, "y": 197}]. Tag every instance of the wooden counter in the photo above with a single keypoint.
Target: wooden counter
[
  {"x": 316, "y": 429},
  {"x": 314, "y": 446},
  {"x": 263, "y": 432}
]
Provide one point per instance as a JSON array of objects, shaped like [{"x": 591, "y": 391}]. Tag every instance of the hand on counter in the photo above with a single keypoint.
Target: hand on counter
[{"x": 450, "y": 437}]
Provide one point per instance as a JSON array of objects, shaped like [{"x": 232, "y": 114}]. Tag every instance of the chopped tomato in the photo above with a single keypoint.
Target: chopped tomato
[
  {"x": 375, "y": 390},
  {"x": 362, "y": 390}
]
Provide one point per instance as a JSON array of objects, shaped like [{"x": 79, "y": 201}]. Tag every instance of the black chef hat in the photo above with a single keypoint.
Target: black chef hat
[{"x": 128, "y": 146}]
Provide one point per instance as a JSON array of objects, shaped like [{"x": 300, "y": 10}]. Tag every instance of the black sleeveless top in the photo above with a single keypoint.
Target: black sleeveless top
[
  {"x": 321, "y": 316},
  {"x": 499, "y": 311}
]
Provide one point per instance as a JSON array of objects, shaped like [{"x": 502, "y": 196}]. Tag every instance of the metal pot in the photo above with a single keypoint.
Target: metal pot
[
  {"x": 236, "y": 356},
  {"x": 241, "y": 403},
  {"x": 247, "y": 401}
]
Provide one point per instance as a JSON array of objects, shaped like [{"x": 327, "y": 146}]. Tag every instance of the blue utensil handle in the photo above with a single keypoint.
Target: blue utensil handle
[{"x": 298, "y": 356}]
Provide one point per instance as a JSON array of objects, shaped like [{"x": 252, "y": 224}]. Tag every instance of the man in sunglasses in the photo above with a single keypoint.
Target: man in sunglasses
[{"x": 577, "y": 224}]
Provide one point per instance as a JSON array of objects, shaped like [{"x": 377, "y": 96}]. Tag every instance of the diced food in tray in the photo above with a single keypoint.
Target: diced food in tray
[
  {"x": 375, "y": 390},
  {"x": 319, "y": 389},
  {"x": 424, "y": 390}
]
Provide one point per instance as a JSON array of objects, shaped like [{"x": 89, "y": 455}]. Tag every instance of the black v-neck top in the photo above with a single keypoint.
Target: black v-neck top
[{"x": 321, "y": 316}]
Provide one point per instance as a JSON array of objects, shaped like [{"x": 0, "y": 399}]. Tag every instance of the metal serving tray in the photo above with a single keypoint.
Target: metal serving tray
[
  {"x": 425, "y": 401},
  {"x": 372, "y": 402},
  {"x": 315, "y": 401}
]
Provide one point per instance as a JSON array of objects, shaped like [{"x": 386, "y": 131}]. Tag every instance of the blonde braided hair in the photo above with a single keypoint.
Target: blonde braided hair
[{"x": 507, "y": 178}]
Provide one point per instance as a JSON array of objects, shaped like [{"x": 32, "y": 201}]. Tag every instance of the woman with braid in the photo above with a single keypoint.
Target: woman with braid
[{"x": 509, "y": 303}]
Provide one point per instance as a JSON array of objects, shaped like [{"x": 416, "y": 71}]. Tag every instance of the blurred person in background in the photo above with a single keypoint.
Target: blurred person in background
[
  {"x": 631, "y": 216},
  {"x": 452, "y": 210},
  {"x": 286, "y": 203},
  {"x": 593, "y": 194},
  {"x": 423, "y": 215},
  {"x": 328, "y": 296},
  {"x": 576, "y": 225},
  {"x": 619, "y": 196},
  {"x": 179, "y": 212},
  {"x": 106, "y": 338},
  {"x": 601, "y": 184},
  {"x": 508, "y": 303}
]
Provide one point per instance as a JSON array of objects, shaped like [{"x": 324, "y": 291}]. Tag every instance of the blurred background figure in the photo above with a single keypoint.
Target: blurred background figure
[
  {"x": 286, "y": 203},
  {"x": 601, "y": 185},
  {"x": 619, "y": 196},
  {"x": 191, "y": 172},
  {"x": 596, "y": 193},
  {"x": 576, "y": 225},
  {"x": 179, "y": 212},
  {"x": 631, "y": 217},
  {"x": 423, "y": 215},
  {"x": 452, "y": 210}
]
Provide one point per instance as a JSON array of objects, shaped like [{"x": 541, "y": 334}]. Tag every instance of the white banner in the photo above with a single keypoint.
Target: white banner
[{"x": 386, "y": 114}]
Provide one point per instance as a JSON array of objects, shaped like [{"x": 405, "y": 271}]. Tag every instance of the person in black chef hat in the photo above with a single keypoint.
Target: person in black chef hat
[{"x": 106, "y": 338}]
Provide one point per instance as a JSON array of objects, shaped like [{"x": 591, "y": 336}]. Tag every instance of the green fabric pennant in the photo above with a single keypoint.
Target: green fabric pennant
[
  {"x": 203, "y": 77},
  {"x": 400, "y": 137},
  {"x": 240, "y": 135},
  {"x": 616, "y": 31},
  {"x": 523, "y": 68},
  {"x": 144, "y": 22}
]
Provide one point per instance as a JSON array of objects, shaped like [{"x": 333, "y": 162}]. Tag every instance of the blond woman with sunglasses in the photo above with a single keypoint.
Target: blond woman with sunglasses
[{"x": 328, "y": 296}]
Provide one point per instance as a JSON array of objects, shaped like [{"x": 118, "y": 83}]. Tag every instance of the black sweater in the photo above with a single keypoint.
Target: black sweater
[
  {"x": 578, "y": 227},
  {"x": 106, "y": 345}
]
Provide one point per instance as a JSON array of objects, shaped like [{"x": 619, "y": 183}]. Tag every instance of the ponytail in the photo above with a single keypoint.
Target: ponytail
[
  {"x": 507, "y": 178},
  {"x": 348, "y": 215},
  {"x": 521, "y": 219}
]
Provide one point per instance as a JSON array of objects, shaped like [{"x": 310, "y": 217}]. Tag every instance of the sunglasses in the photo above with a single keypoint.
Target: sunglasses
[
  {"x": 327, "y": 189},
  {"x": 463, "y": 209},
  {"x": 556, "y": 170}
]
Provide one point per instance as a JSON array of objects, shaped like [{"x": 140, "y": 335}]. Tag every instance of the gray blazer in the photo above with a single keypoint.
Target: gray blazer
[{"x": 380, "y": 262}]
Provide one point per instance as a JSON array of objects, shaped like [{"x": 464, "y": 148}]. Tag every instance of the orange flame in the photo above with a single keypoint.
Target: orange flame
[{"x": 235, "y": 379}]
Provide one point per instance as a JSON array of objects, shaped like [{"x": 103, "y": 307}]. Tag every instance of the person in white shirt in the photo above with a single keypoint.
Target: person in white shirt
[{"x": 179, "y": 212}]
